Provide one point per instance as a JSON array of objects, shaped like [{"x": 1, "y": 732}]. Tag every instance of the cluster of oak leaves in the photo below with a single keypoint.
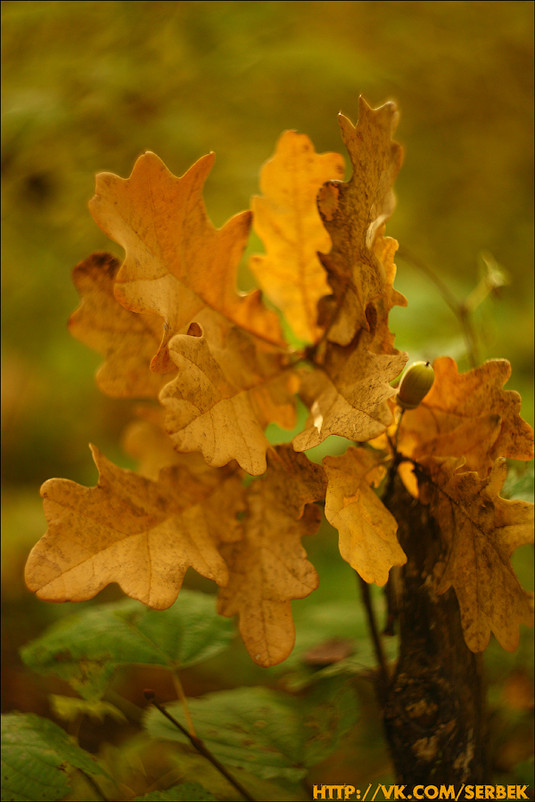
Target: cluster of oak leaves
[{"x": 221, "y": 371}]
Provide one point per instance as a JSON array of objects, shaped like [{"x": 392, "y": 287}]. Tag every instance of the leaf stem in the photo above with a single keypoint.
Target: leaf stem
[
  {"x": 198, "y": 744},
  {"x": 184, "y": 701},
  {"x": 396, "y": 437}
]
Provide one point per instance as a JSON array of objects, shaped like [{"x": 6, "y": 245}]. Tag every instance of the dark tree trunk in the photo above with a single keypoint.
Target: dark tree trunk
[{"x": 434, "y": 706}]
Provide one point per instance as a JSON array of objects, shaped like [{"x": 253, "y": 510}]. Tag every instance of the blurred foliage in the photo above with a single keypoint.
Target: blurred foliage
[{"x": 88, "y": 86}]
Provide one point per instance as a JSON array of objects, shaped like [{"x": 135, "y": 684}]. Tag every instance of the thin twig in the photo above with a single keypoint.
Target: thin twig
[
  {"x": 392, "y": 609},
  {"x": 469, "y": 334},
  {"x": 461, "y": 310},
  {"x": 445, "y": 291},
  {"x": 374, "y": 632},
  {"x": 198, "y": 744}
]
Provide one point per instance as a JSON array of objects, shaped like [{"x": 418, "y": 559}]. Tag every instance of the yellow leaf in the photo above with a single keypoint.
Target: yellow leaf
[
  {"x": 360, "y": 263},
  {"x": 176, "y": 262},
  {"x": 367, "y": 529},
  {"x": 229, "y": 386},
  {"x": 287, "y": 221},
  {"x": 142, "y": 534},
  {"x": 147, "y": 441},
  {"x": 481, "y": 530},
  {"x": 127, "y": 340},
  {"x": 268, "y": 568},
  {"x": 347, "y": 394},
  {"x": 468, "y": 415}
]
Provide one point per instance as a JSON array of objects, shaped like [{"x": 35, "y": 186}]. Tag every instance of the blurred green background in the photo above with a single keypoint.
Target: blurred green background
[{"x": 88, "y": 86}]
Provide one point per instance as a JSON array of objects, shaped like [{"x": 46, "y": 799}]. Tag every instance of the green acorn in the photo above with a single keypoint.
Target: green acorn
[{"x": 415, "y": 385}]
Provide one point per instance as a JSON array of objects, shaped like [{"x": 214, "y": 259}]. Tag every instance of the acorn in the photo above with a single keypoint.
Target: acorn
[{"x": 415, "y": 385}]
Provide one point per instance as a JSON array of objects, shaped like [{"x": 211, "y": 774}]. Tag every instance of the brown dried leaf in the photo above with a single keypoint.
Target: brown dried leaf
[
  {"x": 347, "y": 395},
  {"x": 377, "y": 314},
  {"x": 360, "y": 264},
  {"x": 229, "y": 386},
  {"x": 147, "y": 441},
  {"x": 142, "y": 534},
  {"x": 176, "y": 262},
  {"x": 127, "y": 340},
  {"x": 287, "y": 221},
  {"x": 268, "y": 568},
  {"x": 329, "y": 652},
  {"x": 367, "y": 529},
  {"x": 481, "y": 531},
  {"x": 468, "y": 415}
]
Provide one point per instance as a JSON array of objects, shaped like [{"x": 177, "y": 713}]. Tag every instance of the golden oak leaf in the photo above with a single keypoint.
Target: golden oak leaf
[
  {"x": 147, "y": 441},
  {"x": 367, "y": 529},
  {"x": 468, "y": 415},
  {"x": 127, "y": 340},
  {"x": 347, "y": 395},
  {"x": 269, "y": 568},
  {"x": 176, "y": 262},
  {"x": 481, "y": 531},
  {"x": 229, "y": 386},
  {"x": 377, "y": 314},
  {"x": 293, "y": 481},
  {"x": 142, "y": 534},
  {"x": 287, "y": 221},
  {"x": 360, "y": 263}
]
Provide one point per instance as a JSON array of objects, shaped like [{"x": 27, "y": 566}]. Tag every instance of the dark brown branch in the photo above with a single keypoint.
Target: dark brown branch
[{"x": 434, "y": 713}]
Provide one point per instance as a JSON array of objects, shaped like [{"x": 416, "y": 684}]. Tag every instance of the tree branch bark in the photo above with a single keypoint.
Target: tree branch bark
[{"x": 435, "y": 708}]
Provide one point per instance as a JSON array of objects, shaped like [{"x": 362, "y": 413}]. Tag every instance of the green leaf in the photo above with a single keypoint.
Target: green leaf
[
  {"x": 71, "y": 708},
  {"x": 276, "y": 790},
  {"x": 86, "y": 648},
  {"x": 173, "y": 763},
  {"x": 185, "y": 792},
  {"x": 36, "y": 756},
  {"x": 265, "y": 732}
]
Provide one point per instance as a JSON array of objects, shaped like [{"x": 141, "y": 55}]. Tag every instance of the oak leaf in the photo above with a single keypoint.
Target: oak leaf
[
  {"x": 347, "y": 394},
  {"x": 366, "y": 528},
  {"x": 176, "y": 263},
  {"x": 146, "y": 440},
  {"x": 229, "y": 386},
  {"x": 468, "y": 415},
  {"x": 127, "y": 340},
  {"x": 360, "y": 264},
  {"x": 287, "y": 221},
  {"x": 269, "y": 568},
  {"x": 139, "y": 533},
  {"x": 481, "y": 531}
]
